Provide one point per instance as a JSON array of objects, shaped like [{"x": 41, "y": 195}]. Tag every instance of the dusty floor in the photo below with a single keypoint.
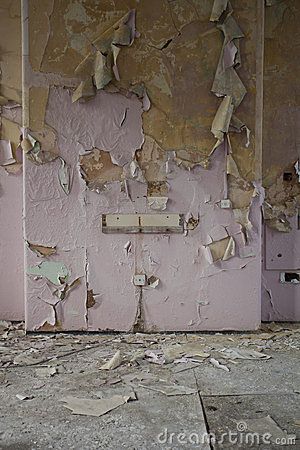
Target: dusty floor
[{"x": 245, "y": 403}]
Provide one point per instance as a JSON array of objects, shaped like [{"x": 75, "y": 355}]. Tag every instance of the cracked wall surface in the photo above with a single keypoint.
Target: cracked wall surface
[
  {"x": 122, "y": 120},
  {"x": 281, "y": 150}
]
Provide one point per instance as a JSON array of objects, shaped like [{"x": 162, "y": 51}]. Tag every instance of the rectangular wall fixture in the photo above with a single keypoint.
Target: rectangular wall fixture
[{"x": 142, "y": 223}]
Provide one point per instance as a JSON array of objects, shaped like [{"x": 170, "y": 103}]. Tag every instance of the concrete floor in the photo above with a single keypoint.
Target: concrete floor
[{"x": 222, "y": 403}]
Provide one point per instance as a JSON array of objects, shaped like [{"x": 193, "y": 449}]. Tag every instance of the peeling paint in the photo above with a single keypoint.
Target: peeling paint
[
  {"x": 55, "y": 272},
  {"x": 133, "y": 139}
]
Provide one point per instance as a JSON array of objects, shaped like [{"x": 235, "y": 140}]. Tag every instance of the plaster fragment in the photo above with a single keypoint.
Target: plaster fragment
[
  {"x": 114, "y": 362},
  {"x": 46, "y": 372},
  {"x": 90, "y": 407},
  {"x": 56, "y": 272},
  {"x": 218, "y": 365},
  {"x": 169, "y": 389}
]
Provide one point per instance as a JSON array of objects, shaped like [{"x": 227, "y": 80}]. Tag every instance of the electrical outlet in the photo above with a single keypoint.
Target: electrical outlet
[
  {"x": 225, "y": 203},
  {"x": 139, "y": 280}
]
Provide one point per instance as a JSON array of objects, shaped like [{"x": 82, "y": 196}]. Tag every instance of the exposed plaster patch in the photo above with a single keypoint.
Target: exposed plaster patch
[
  {"x": 41, "y": 250},
  {"x": 90, "y": 299},
  {"x": 97, "y": 169}
]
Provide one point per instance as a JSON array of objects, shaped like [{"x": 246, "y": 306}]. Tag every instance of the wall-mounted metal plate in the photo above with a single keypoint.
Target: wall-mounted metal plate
[{"x": 142, "y": 223}]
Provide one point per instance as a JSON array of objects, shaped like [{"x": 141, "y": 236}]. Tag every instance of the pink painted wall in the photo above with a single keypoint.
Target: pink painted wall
[
  {"x": 280, "y": 301},
  {"x": 193, "y": 293},
  {"x": 11, "y": 247}
]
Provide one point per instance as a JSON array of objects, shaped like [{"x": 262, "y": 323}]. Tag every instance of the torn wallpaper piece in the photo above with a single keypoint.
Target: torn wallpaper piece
[
  {"x": 102, "y": 71},
  {"x": 238, "y": 126},
  {"x": 219, "y": 6},
  {"x": 32, "y": 149},
  {"x": 6, "y": 155},
  {"x": 230, "y": 249},
  {"x": 222, "y": 119},
  {"x": 141, "y": 92},
  {"x": 223, "y": 249},
  {"x": 64, "y": 292},
  {"x": 85, "y": 91},
  {"x": 41, "y": 250},
  {"x": 232, "y": 168},
  {"x": 132, "y": 170},
  {"x": 241, "y": 216},
  {"x": 227, "y": 83},
  {"x": 56, "y": 272},
  {"x": 99, "y": 66}
]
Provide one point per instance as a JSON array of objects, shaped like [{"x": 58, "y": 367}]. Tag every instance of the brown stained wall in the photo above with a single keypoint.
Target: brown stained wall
[
  {"x": 281, "y": 149},
  {"x": 281, "y": 109},
  {"x": 175, "y": 57}
]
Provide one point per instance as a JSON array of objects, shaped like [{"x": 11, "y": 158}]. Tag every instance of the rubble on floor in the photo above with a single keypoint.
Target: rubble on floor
[{"x": 100, "y": 374}]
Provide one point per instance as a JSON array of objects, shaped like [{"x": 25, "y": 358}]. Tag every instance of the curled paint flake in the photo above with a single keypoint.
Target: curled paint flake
[{"x": 64, "y": 176}]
